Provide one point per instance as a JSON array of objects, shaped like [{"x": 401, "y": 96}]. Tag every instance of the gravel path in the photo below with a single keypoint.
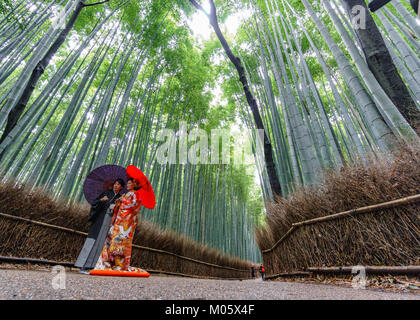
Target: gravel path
[{"x": 22, "y": 284}]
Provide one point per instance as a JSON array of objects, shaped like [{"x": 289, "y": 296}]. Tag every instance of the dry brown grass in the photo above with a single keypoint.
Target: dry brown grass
[
  {"x": 21, "y": 239},
  {"x": 387, "y": 237}
]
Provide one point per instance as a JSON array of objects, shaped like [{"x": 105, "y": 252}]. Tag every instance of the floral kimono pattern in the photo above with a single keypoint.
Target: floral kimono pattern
[{"x": 116, "y": 254}]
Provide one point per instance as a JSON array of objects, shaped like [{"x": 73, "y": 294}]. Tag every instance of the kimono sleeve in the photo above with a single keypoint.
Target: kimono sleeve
[{"x": 97, "y": 205}]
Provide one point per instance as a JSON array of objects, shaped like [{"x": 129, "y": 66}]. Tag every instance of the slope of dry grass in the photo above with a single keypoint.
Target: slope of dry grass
[
  {"x": 21, "y": 239},
  {"x": 387, "y": 237}
]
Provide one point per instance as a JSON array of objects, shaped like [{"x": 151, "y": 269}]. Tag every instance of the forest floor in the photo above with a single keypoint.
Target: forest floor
[{"x": 38, "y": 284}]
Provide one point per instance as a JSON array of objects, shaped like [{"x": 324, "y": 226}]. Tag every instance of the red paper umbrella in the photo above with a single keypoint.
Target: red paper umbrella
[{"x": 146, "y": 193}]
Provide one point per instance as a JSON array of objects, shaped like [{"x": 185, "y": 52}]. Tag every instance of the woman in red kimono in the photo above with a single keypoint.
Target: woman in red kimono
[{"x": 116, "y": 254}]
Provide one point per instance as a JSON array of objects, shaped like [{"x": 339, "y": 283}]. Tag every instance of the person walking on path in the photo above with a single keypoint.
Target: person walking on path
[
  {"x": 262, "y": 270},
  {"x": 253, "y": 271}
]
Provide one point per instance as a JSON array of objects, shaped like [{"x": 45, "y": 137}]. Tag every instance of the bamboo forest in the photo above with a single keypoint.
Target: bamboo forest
[{"x": 306, "y": 91}]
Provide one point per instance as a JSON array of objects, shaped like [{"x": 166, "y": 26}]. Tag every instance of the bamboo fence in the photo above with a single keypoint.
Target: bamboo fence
[
  {"x": 150, "y": 256},
  {"x": 344, "y": 214}
]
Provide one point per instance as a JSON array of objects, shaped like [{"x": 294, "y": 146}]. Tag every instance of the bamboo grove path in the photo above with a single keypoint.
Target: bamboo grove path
[{"x": 31, "y": 284}]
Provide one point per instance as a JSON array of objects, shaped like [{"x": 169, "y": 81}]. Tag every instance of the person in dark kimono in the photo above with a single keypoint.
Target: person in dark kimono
[{"x": 100, "y": 215}]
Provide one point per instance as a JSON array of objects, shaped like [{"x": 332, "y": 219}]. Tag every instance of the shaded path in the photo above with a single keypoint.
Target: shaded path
[{"x": 22, "y": 284}]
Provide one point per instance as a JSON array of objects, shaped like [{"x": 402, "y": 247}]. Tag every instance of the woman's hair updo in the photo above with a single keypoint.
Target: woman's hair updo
[{"x": 136, "y": 187}]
